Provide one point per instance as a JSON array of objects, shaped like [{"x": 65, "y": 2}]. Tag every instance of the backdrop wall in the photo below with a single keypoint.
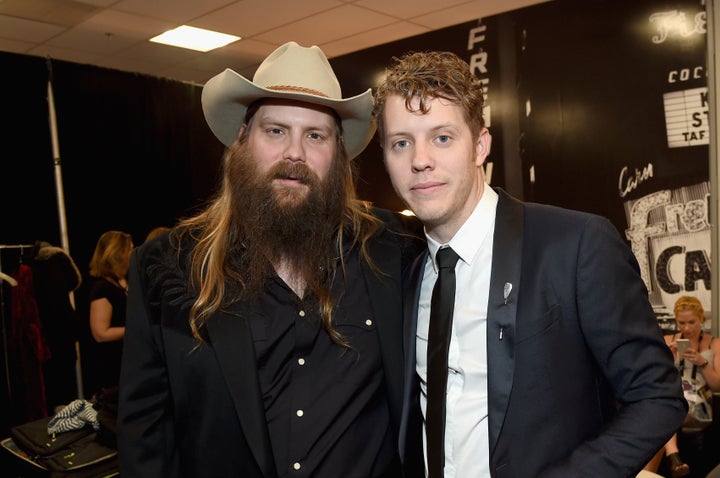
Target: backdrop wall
[{"x": 598, "y": 105}]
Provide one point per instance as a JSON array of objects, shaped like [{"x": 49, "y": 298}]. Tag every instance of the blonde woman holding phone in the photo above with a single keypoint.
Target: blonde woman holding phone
[{"x": 697, "y": 356}]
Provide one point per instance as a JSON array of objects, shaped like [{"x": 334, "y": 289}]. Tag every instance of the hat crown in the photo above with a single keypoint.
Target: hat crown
[
  {"x": 299, "y": 69},
  {"x": 290, "y": 72}
]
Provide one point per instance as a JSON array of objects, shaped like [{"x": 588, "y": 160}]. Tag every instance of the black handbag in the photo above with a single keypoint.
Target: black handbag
[{"x": 63, "y": 451}]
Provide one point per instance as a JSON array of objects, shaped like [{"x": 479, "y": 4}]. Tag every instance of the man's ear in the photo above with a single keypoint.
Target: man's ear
[
  {"x": 242, "y": 129},
  {"x": 483, "y": 147}
]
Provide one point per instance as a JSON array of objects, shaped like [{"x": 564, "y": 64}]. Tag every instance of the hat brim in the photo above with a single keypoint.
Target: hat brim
[{"x": 227, "y": 96}]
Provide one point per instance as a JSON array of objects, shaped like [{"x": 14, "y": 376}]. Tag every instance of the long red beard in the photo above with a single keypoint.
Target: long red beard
[{"x": 297, "y": 224}]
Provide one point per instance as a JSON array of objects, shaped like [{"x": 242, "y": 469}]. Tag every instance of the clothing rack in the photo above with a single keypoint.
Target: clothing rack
[{"x": 2, "y": 313}]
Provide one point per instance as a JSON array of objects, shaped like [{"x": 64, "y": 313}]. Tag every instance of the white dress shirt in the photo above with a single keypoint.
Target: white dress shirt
[{"x": 467, "y": 451}]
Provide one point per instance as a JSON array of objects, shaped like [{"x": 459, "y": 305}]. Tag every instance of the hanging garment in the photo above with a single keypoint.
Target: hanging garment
[
  {"x": 55, "y": 276},
  {"x": 28, "y": 346}
]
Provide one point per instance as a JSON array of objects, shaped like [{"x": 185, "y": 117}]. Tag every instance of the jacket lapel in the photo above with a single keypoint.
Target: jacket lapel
[
  {"x": 502, "y": 308},
  {"x": 411, "y": 428},
  {"x": 385, "y": 298},
  {"x": 231, "y": 339}
]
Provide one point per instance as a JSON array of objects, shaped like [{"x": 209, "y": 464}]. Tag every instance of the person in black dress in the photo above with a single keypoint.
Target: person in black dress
[{"x": 108, "y": 298}]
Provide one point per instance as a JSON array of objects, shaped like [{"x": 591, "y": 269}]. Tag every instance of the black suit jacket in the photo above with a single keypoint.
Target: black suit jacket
[
  {"x": 197, "y": 411},
  {"x": 580, "y": 380}
]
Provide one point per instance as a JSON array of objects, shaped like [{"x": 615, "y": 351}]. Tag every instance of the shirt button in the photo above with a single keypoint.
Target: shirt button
[
  {"x": 301, "y": 313},
  {"x": 296, "y": 465},
  {"x": 299, "y": 413},
  {"x": 301, "y": 361},
  {"x": 368, "y": 322}
]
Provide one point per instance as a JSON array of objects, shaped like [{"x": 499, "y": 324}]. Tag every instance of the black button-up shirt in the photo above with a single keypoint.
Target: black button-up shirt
[{"x": 325, "y": 405}]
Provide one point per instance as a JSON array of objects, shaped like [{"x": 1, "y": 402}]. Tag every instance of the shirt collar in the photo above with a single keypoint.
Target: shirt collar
[{"x": 469, "y": 237}]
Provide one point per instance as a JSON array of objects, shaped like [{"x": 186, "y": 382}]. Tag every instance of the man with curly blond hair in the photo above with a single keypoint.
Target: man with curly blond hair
[{"x": 556, "y": 365}]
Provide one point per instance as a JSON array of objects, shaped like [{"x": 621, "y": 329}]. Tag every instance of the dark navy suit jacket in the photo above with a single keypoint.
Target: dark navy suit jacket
[{"x": 581, "y": 384}]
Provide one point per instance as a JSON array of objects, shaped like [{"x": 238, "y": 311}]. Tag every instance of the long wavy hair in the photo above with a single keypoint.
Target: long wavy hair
[{"x": 214, "y": 268}]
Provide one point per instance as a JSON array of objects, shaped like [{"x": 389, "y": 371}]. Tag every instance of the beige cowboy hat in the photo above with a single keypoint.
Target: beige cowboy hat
[{"x": 295, "y": 72}]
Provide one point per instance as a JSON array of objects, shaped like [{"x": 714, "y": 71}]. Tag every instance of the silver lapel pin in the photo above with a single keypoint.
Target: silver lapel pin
[{"x": 506, "y": 291}]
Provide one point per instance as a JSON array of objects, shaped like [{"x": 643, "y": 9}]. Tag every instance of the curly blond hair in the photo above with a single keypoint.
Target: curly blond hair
[{"x": 428, "y": 75}]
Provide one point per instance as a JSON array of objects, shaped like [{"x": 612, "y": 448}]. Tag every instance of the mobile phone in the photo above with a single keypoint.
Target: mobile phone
[{"x": 682, "y": 345}]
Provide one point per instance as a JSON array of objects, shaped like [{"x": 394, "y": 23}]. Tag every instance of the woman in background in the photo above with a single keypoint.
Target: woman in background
[
  {"x": 108, "y": 299},
  {"x": 699, "y": 366}
]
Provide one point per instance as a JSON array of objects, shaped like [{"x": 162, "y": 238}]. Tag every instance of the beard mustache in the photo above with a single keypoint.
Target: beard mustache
[{"x": 276, "y": 222}]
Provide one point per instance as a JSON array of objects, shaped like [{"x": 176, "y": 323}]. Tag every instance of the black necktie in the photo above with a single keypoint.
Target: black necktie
[{"x": 441, "y": 315}]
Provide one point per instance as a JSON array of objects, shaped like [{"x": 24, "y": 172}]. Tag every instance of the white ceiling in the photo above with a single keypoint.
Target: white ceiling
[{"x": 114, "y": 33}]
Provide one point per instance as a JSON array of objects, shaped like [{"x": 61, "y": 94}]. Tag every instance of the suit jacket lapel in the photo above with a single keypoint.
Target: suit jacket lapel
[
  {"x": 411, "y": 299},
  {"x": 231, "y": 339},
  {"x": 411, "y": 428},
  {"x": 385, "y": 298},
  {"x": 504, "y": 281}
]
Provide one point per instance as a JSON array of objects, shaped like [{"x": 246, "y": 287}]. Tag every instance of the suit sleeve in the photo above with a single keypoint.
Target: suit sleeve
[
  {"x": 145, "y": 434},
  {"x": 622, "y": 333}
]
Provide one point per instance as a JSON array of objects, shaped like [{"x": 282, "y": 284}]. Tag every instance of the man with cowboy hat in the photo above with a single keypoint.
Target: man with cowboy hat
[{"x": 264, "y": 334}]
